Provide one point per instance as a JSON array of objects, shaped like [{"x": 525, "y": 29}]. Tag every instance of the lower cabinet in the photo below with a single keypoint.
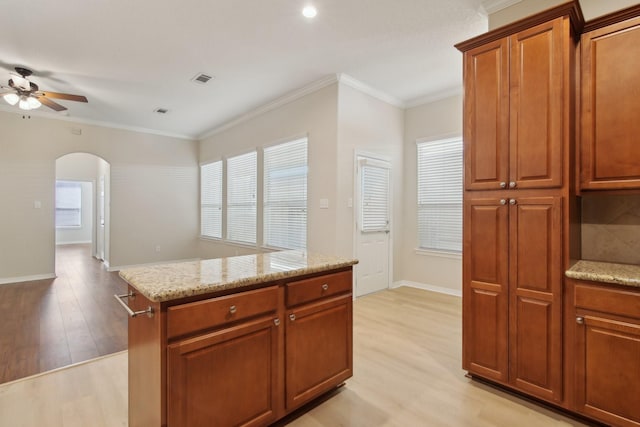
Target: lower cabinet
[
  {"x": 244, "y": 359},
  {"x": 318, "y": 354},
  {"x": 512, "y": 292},
  {"x": 225, "y": 378},
  {"x": 607, "y": 353}
]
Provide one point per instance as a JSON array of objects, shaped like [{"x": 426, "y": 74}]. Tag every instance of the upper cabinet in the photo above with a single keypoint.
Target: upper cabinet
[
  {"x": 517, "y": 104},
  {"x": 610, "y": 93}
]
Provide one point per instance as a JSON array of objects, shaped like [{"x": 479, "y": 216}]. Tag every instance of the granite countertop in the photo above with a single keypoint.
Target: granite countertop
[
  {"x": 607, "y": 272},
  {"x": 167, "y": 282}
]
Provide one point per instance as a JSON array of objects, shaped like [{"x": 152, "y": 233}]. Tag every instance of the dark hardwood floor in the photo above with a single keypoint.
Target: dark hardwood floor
[{"x": 47, "y": 324}]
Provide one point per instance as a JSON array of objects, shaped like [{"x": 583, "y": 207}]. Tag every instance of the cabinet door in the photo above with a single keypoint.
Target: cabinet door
[
  {"x": 610, "y": 158},
  {"x": 485, "y": 293},
  {"x": 608, "y": 370},
  {"x": 319, "y": 354},
  {"x": 224, "y": 378},
  {"x": 538, "y": 105},
  {"x": 486, "y": 115},
  {"x": 535, "y": 302}
]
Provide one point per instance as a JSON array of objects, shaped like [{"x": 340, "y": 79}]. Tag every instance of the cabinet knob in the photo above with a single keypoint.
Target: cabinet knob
[
  {"x": 325, "y": 287},
  {"x": 232, "y": 309},
  {"x": 276, "y": 321},
  {"x": 580, "y": 320},
  {"x": 512, "y": 184},
  {"x": 512, "y": 202},
  {"x": 503, "y": 185},
  {"x": 503, "y": 201},
  {"x": 292, "y": 317}
]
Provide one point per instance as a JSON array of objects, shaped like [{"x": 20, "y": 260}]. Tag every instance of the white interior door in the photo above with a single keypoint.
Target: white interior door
[{"x": 373, "y": 224}]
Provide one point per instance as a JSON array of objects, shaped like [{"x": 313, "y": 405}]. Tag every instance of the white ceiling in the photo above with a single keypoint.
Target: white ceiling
[{"x": 129, "y": 57}]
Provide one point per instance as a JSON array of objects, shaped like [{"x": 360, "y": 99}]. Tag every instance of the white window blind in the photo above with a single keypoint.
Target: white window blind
[
  {"x": 285, "y": 195},
  {"x": 211, "y": 200},
  {"x": 440, "y": 195},
  {"x": 374, "y": 192},
  {"x": 241, "y": 198},
  {"x": 68, "y": 204}
]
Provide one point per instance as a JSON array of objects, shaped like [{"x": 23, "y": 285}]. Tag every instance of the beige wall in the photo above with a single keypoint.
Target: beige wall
[
  {"x": 367, "y": 125},
  {"x": 590, "y": 8},
  {"x": 314, "y": 115},
  {"x": 435, "y": 120},
  {"x": 154, "y": 193}
]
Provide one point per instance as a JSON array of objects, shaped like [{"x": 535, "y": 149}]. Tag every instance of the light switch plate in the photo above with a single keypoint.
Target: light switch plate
[
  {"x": 37, "y": 204},
  {"x": 324, "y": 203}
]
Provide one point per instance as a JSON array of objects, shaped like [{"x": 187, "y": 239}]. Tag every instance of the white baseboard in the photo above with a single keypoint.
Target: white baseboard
[
  {"x": 7, "y": 280},
  {"x": 149, "y": 264},
  {"x": 426, "y": 287}
]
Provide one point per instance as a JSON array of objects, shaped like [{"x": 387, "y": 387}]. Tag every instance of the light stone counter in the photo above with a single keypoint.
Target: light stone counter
[
  {"x": 167, "y": 282},
  {"x": 620, "y": 274}
]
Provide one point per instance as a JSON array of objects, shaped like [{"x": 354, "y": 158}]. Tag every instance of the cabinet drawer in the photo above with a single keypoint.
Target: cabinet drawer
[
  {"x": 318, "y": 287},
  {"x": 187, "y": 318},
  {"x": 608, "y": 300}
]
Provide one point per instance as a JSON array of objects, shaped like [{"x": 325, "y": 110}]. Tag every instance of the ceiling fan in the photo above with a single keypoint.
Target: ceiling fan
[{"x": 28, "y": 95}]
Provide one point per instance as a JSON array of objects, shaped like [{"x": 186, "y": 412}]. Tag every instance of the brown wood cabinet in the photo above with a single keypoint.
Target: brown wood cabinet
[
  {"x": 318, "y": 336},
  {"x": 607, "y": 352},
  {"x": 518, "y": 129},
  {"x": 244, "y": 358},
  {"x": 485, "y": 289},
  {"x": 610, "y": 154},
  {"x": 317, "y": 354},
  {"x": 512, "y": 294},
  {"x": 515, "y": 105},
  {"x": 225, "y": 378}
]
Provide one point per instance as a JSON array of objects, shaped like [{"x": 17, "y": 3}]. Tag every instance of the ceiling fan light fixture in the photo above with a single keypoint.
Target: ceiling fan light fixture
[
  {"x": 11, "y": 98},
  {"x": 34, "y": 102}
]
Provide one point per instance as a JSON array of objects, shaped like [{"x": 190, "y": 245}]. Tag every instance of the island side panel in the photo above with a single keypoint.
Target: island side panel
[{"x": 146, "y": 365}]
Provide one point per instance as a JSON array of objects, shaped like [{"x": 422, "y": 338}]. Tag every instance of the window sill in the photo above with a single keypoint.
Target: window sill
[{"x": 439, "y": 254}]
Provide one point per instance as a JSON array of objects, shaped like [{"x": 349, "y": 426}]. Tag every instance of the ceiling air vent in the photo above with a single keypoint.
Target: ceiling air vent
[
  {"x": 161, "y": 111},
  {"x": 201, "y": 78}
]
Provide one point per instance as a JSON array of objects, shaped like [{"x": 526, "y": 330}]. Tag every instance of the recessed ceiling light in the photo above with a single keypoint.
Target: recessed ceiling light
[{"x": 309, "y": 12}]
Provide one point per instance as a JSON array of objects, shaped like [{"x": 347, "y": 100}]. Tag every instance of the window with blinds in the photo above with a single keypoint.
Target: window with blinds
[
  {"x": 241, "y": 198},
  {"x": 285, "y": 195},
  {"x": 211, "y": 200},
  {"x": 374, "y": 191},
  {"x": 68, "y": 204},
  {"x": 440, "y": 195}
]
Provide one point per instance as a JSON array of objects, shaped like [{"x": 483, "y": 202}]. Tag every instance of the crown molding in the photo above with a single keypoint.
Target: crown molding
[
  {"x": 272, "y": 105},
  {"x": 365, "y": 88},
  {"x": 434, "y": 96},
  {"x": 110, "y": 125},
  {"x": 493, "y": 6}
]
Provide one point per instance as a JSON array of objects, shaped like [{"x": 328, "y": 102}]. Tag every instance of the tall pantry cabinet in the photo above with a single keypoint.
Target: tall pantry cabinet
[{"x": 519, "y": 108}]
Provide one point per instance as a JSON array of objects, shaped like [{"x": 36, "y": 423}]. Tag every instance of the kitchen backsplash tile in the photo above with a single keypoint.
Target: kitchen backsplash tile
[{"x": 611, "y": 228}]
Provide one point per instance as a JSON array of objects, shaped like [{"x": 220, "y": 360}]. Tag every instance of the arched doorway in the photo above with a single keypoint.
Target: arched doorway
[{"x": 82, "y": 203}]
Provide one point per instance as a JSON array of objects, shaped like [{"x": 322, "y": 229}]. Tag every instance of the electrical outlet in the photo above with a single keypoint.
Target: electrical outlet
[{"x": 157, "y": 248}]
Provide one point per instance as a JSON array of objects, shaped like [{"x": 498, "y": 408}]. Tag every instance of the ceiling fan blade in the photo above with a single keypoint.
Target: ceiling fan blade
[
  {"x": 49, "y": 103},
  {"x": 68, "y": 97}
]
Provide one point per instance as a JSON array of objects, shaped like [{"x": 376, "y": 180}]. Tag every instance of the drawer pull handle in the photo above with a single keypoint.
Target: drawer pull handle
[
  {"x": 580, "y": 320},
  {"x": 233, "y": 309},
  {"x": 325, "y": 287},
  {"x": 292, "y": 317},
  {"x": 276, "y": 322},
  {"x": 131, "y": 294}
]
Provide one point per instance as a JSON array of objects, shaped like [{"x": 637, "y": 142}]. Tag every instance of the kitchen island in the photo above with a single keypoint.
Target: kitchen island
[{"x": 236, "y": 341}]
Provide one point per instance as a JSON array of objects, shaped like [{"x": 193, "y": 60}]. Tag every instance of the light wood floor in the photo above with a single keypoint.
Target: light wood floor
[
  {"x": 407, "y": 373},
  {"x": 47, "y": 324}
]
